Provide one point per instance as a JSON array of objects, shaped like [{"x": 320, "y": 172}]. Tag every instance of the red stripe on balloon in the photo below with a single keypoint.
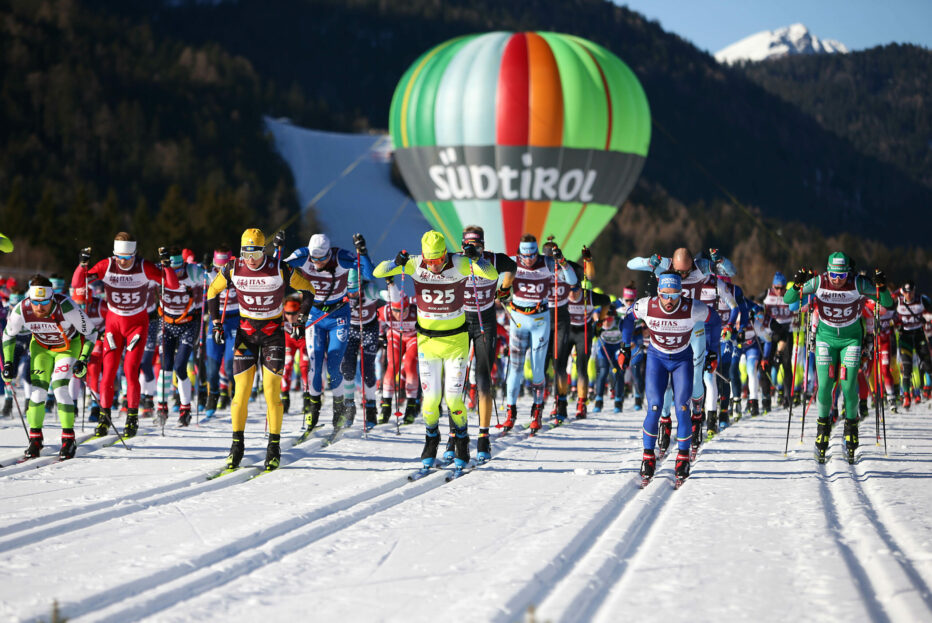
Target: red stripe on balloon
[
  {"x": 608, "y": 131},
  {"x": 512, "y": 123}
]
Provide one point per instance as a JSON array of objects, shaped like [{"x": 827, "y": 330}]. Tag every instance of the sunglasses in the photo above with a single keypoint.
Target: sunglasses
[
  {"x": 124, "y": 257},
  {"x": 42, "y": 303},
  {"x": 832, "y": 275},
  {"x": 321, "y": 259},
  {"x": 437, "y": 261},
  {"x": 670, "y": 296},
  {"x": 252, "y": 254},
  {"x": 683, "y": 273}
]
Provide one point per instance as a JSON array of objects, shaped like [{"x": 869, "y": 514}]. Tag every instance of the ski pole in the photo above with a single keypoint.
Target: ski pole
[
  {"x": 485, "y": 338},
  {"x": 162, "y": 349},
  {"x": 806, "y": 334},
  {"x": 362, "y": 364},
  {"x": 335, "y": 308},
  {"x": 789, "y": 419},
  {"x": 20, "y": 411}
]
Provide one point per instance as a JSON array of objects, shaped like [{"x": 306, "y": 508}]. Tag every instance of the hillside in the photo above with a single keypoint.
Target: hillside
[{"x": 878, "y": 99}]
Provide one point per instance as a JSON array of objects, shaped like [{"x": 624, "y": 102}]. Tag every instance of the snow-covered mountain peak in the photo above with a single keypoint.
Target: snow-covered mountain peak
[{"x": 767, "y": 44}]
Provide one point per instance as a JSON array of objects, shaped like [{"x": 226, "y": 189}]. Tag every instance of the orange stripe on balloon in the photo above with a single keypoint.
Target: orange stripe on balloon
[{"x": 545, "y": 117}]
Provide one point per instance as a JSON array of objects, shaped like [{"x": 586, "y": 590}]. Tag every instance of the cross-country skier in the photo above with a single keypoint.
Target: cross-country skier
[
  {"x": 294, "y": 347},
  {"x": 910, "y": 306},
  {"x": 364, "y": 307},
  {"x": 126, "y": 278},
  {"x": 218, "y": 353},
  {"x": 57, "y": 353},
  {"x": 838, "y": 294},
  {"x": 778, "y": 311},
  {"x": 583, "y": 305},
  {"x": 398, "y": 333},
  {"x": 328, "y": 316},
  {"x": 443, "y": 340},
  {"x": 260, "y": 283}
]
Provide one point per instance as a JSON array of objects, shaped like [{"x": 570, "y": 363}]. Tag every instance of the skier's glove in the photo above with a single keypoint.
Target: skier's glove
[
  {"x": 471, "y": 252},
  {"x": 586, "y": 254},
  {"x": 360, "y": 243},
  {"x": 765, "y": 366},
  {"x": 8, "y": 371},
  {"x": 79, "y": 369},
  {"x": 279, "y": 240},
  {"x": 727, "y": 332},
  {"x": 402, "y": 258},
  {"x": 383, "y": 342},
  {"x": 165, "y": 257},
  {"x": 624, "y": 357},
  {"x": 711, "y": 362},
  {"x": 800, "y": 279},
  {"x": 219, "y": 338},
  {"x": 503, "y": 294},
  {"x": 297, "y": 327},
  {"x": 880, "y": 279},
  {"x": 714, "y": 256},
  {"x": 85, "y": 257},
  {"x": 557, "y": 254},
  {"x": 654, "y": 261}
]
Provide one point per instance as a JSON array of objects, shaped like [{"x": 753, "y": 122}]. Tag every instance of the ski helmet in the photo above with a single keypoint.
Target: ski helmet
[
  {"x": 433, "y": 245},
  {"x": 838, "y": 263},
  {"x": 252, "y": 238}
]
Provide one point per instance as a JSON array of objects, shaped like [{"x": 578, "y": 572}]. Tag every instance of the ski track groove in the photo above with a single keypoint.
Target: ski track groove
[
  {"x": 582, "y": 590},
  {"x": 23, "y": 533},
  {"x": 191, "y": 578}
]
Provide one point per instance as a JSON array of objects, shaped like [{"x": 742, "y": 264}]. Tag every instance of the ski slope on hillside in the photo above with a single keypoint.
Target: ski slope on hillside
[{"x": 554, "y": 524}]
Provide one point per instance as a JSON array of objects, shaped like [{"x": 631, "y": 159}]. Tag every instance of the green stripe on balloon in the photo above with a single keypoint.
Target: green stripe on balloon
[
  {"x": 592, "y": 223},
  {"x": 585, "y": 114}
]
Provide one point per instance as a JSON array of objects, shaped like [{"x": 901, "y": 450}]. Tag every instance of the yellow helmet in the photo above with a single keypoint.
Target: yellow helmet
[
  {"x": 252, "y": 238},
  {"x": 433, "y": 245}
]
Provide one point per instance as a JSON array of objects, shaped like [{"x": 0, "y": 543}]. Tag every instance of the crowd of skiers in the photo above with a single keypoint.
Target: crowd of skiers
[{"x": 481, "y": 329}]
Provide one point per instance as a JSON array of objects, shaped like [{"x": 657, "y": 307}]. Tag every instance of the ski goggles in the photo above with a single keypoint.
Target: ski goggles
[
  {"x": 252, "y": 253},
  {"x": 125, "y": 258},
  {"x": 437, "y": 261},
  {"x": 670, "y": 296},
  {"x": 683, "y": 273},
  {"x": 834, "y": 275}
]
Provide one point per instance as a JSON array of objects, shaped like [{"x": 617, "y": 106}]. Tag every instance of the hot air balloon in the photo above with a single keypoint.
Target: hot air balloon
[{"x": 532, "y": 132}]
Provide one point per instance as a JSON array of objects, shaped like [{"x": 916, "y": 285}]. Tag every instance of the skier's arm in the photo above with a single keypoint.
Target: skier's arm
[
  {"x": 297, "y": 280},
  {"x": 566, "y": 271},
  {"x": 792, "y": 294},
  {"x": 700, "y": 312},
  {"x": 506, "y": 268},
  {"x": 14, "y": 324},
  {"x": 482, "y": 267},
  {"x": 83, "y": 274},
  {"x": 389, "y": 268},
  {"x": 646, "y": 264},
  {"x": 627, "y": 328},
  {"x": 297, "y": 257},
  {"x": 217, "y": 285}
]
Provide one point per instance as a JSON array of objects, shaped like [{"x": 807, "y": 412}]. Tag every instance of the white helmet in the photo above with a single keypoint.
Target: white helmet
[{"x": 319, "y": 245}]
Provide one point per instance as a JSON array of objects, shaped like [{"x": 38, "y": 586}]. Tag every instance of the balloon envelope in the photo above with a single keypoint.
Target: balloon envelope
[{"x": 531, "y": 132}]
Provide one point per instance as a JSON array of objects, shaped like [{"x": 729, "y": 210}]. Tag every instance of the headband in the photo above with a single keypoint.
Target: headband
[
  {"x": 527, "y": 248},
  {"x": 669, "y": 280},
  {"x": 629, "y": 293},
  {"x": 40, "y": 294},
  {"x": 221, "y": 258},
  {"x": 124, "y": 247}
]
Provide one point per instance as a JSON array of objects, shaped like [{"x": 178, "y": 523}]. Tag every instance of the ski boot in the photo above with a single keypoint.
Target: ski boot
[
  {"x": 907, "y": 399},
  {"x": 201, "y": 397},
  {"x": 681, "y": 470},
  {"x": 349, "y": 410},
  {"x": 863, "y": 414},
  {"x": 461, "y": 441},
  {"x": 431, "y": 443},
  {"x": 132, "y": 423},
  {"x": 273, "y": 452},
  {"x": 753, "y": 409},
  {"x": 561, "y": 410},
  {"x": 236, "y": 450},
  {"x": 124, "y": 406},
  {"x": 162, "y": 413},
  {"x": 386, "y": 411},
  {"x": 736, "y": 409},
  {"x": 68, "y": 445},
  {"x": 312, "y": 413},
  {"x": 638, "y": 403},
  {"x": 483, "y": 447},
  {"x": 927, "y": 393},
  {"x": 35, "y": 443},
  {"x": 103, "y": 423},
  {"x": 697, "y": 436},
  {"x": 411, "y": 408},
  {"x": 724, "y": 421},
  {"x": 851, "y": 439},
  {"x": 711, "y": 424},
  {"x": 581, "y": 409},
  {"x": 95, "y": 412},
  {"x": 618, "y": 406},
  {"x": 663, "y": 439},
  {"x": 339, "y": 412},
  {"x": 224, "y": 401},
  {"x": 184, "y": 415},
  {"x": 537, "y": 411},
  {"x": 450, "y": 452},
  {"x": 781, "y": 399},
  {"x": 372, "y": 415},
  {"x": 511, "y": 416},
  {"x": 823, "y": 432},
  {"x": 597, "y": 408},
  {"x": 211, "y": 407},
  {"x": 7, "y": 407},
  {"x": 148, "y": 405},
  {"x": 765, "y": 405},
  {"x": 648, "y": 466},
  {"x": 286, "y": 401}
]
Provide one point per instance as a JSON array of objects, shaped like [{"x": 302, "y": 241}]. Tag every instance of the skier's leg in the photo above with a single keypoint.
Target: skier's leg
[
  {"x": 61, "y": 378},
  {"x": 273, "y": 362},
  {"x": 245, "y": 358},
  {"x": 42, "y": 363},
  {"x": 682, "y": 376},
  {"x": 827, "y": 360}
]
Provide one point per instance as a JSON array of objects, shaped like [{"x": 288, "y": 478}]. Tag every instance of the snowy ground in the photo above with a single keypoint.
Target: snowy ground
[{"x": 552, "y": 529}]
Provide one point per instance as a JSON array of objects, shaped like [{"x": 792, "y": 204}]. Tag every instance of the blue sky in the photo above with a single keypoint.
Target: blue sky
[{"x": 714, "y": 24}]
